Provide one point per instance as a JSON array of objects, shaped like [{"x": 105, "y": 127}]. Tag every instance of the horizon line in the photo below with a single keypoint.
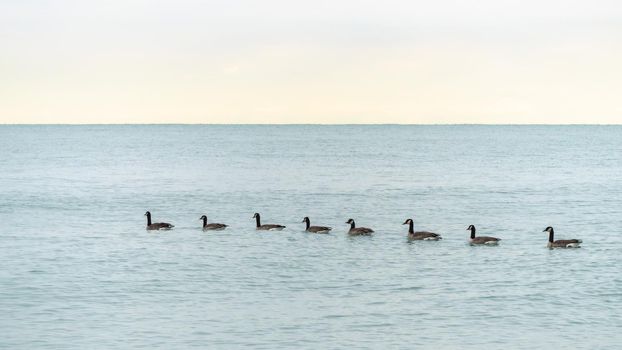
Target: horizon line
[{"x": 318, "y": 124}]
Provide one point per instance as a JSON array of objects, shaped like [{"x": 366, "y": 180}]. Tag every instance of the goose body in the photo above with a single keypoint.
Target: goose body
[
  {"x": 487, "y": 240},
  {"x": 358, "y": 231},
  {"x": 157, "y": 225},
  {"x": 212, "y": 226},
  {"x": 561, "y": 243},
  {"x": 420, "y": 235},
  {"x": 315, "y": 229},
  {"x": 266, "y": 227}
]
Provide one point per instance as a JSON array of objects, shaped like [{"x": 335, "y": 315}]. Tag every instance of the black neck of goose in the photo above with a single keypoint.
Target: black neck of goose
[
  {"x": 411, "y": 227},
  {"x": 308, "y": 223},
  {"x": 257, "y": 220},
  {"x": 352, "y": 225},
  {"x": 204, "y": 221},
  {"x": 148, "y": 219},
  {"x": 551, "y": 234},
  {"x": 472, "y": 232}
]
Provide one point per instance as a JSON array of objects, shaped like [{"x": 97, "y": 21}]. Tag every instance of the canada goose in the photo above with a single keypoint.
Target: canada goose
[
  {"x": 315, "y": 229},
  {"x": 267, "y": 227},
  {"x": 358, "y": 231},
  {"x": 482, "y": 239},
  {"x": 561, "y": 243},
  {"x": 420, "y": 235},
  {"x": 213, "y": 226},
  {"x": 157, "y": 225}
]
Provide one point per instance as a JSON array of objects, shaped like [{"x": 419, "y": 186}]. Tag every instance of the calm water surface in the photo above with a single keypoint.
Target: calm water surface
[{"x": 78, "y": 270}]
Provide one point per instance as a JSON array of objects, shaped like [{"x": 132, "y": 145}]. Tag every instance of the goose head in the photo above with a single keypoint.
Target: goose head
[
  {"x": 407, "y": 222},
  {"x": 306, "y": 219},
  {"x": 256, "y": 215},
  {"x": 548, "y": 229},
  {"x": 350, "y": 221},
  {"x": 471, "y": 227},
  {"x": 147, "y": 213},
  {"x": 203, "y": 217}
]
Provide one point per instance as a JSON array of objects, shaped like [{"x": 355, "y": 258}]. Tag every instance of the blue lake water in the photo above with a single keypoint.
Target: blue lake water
[{"x": 78, "y": 270}]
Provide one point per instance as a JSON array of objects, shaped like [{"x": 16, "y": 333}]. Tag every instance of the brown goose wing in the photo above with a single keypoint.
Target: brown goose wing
[
  {"x": 425, "y": 234},
  {"x": 215, "y": 226},
  {"x": 316, "y": 229},
  {"x": 567, "y": 241},
  {"x": 360, "y": 231},
  {"x": 160, "y": 226},
  {"x": 484, "y": 239},
  {"x": 269, "y": 227}
]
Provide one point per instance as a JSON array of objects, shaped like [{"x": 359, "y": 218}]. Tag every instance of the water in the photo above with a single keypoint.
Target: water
[{"x": 78, "y": 269}]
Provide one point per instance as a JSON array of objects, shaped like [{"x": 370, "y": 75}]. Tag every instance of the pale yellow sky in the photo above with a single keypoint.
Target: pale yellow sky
[{"x": 276, "y": 61}]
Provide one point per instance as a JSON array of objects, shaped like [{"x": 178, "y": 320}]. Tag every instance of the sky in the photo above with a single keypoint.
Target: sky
[{"x": 328, "y": 62}]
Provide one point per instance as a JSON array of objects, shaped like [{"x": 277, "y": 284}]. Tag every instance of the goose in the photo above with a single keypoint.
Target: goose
[
  {"x": 420, "y": 235},
  {"x": 561, "y": 243},
  {"x": 482, "y": 239},
  {"x": 315, "y": 229},
  {"x": 213, "y": 226},
  {"x": 157, "y": 225},
  {"x": 266, "y": 227},
  {"x": 358, "y": 231}
]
